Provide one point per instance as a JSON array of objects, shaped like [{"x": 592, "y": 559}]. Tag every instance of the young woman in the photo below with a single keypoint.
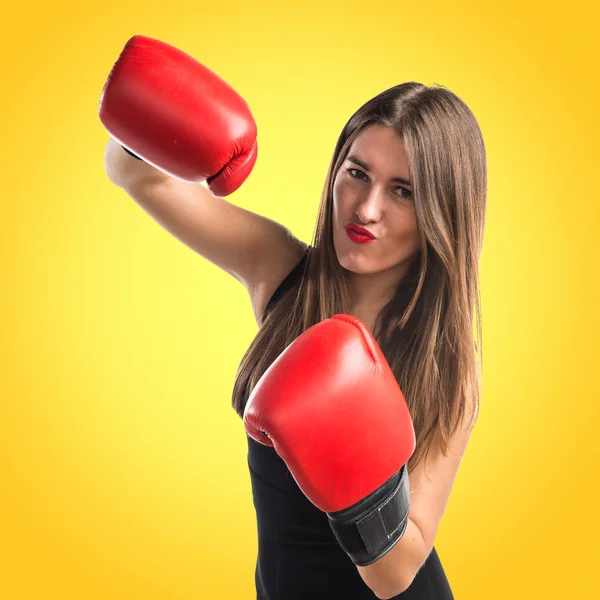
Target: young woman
[{"x": 397, "y": 245}]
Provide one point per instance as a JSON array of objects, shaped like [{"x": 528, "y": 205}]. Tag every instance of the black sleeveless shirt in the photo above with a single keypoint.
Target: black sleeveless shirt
[{"x": 298, "y": 555}]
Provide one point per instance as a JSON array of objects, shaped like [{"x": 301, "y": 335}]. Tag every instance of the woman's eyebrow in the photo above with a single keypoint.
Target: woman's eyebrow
[{"x": 365, "y": 166}]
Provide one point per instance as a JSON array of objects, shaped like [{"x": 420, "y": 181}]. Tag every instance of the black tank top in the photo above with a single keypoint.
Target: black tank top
[{"x": 298, "y": 555}]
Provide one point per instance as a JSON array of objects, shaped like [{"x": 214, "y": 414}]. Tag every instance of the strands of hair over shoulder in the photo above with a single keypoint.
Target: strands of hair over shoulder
[{"x": 426, "y": 330}]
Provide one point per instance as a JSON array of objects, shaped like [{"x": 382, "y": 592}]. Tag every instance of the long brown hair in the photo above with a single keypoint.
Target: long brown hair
[{"x": 426, "y": 330}]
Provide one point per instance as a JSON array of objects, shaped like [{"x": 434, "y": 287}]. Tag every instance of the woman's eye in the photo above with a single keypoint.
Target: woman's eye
[
  {"x": 408, "y": 192},
  {"x": 352, "y": 171}
]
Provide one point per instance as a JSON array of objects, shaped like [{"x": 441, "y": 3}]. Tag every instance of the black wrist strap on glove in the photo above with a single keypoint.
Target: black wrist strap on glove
[
  {"x": 372, "y": 527},
  {"x": 130, "y": 152}
]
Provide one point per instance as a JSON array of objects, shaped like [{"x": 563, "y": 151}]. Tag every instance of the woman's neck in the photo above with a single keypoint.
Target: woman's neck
[{"x": 370, "y": 293}]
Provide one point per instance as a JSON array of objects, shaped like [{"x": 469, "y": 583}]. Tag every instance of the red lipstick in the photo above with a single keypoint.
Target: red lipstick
[{"x": 358, "y": 234}]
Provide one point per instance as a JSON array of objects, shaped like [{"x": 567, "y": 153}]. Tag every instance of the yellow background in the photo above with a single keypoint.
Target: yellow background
[{"x": 123, "y": 468}]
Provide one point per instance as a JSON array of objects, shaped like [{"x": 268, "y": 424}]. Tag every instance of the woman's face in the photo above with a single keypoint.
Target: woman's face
[{"x": 372, "y": 190}]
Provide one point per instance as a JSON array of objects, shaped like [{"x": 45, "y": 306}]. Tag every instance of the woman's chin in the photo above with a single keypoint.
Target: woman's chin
[
  {"x": 352, "y": 259},
  {"x": 351, "y": 256}
]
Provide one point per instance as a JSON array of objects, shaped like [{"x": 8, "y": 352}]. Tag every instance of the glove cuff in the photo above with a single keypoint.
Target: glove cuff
[
  {"x": 130, "y": 152},
  {"x": 369, "y": 529}
]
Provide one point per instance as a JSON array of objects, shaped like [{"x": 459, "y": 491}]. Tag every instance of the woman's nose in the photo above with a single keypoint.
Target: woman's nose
[{"x": 370, "y": 208}]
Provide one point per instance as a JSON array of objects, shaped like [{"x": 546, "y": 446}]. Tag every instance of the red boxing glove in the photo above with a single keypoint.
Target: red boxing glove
[
  {"x": 332, "y": 409},
  {"x": 179, "y": 116}
]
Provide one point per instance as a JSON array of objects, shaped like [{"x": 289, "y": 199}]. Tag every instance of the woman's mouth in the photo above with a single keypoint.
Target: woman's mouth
[{"x": 358, "y": 234}]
